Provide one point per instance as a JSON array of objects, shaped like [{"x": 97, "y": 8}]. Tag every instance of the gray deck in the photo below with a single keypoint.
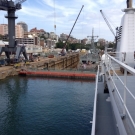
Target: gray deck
[{"x": 105, "y": 121}]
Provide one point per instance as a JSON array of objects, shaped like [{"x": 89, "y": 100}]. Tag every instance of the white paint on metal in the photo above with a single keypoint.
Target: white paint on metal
[
  {"x": 95, "y": 106},
  {"x": 127, "y": 41},
  {"x": 123, "y": 84},
  {"x": 125, "y": 91}
]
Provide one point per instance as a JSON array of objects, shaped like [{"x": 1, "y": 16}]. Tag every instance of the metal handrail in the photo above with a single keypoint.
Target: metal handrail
[
  {"x": 123, "y": 100},
  {"x": 123, "y": 83},
  {"x": 95, "y": 104},
  {"x": 132, "y": 71},
  {"x": 123, "y": 103},
  {"x": 129, "y": 69}
]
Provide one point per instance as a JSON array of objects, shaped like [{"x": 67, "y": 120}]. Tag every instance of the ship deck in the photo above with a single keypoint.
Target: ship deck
[
  {"x": 105, "y": 116},
  {"x": 105, "y": 120}
]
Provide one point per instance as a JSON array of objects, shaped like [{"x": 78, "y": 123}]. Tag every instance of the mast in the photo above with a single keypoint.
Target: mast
[
  {"x": 92, "y": 41},
  {"x": 129, "y": 3}
]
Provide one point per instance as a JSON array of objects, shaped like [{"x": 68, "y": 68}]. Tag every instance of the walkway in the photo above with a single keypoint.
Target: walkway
[{"x": 105, "y": 121}]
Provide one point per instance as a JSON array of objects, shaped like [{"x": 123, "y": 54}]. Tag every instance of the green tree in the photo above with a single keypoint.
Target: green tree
[
  {"x": 111, "y": 45},
  {"x": 101, "y": 47},
  {"x": 59, "y": 45}
]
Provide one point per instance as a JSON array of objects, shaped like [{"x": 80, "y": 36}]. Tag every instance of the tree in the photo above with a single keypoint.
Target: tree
[
  {"x": 101, "y": 47},
  {"x": 59, "y": 45},
  {"x": 42, "y": 37},
  {"x": 111, "y": 45}
]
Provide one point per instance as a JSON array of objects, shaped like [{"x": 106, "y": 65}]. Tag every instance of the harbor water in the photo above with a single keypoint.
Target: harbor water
[{"x": 41, "y": 106}]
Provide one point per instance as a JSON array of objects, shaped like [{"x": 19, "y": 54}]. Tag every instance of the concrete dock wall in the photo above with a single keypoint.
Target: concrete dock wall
[{"x": 8, "y": 71}]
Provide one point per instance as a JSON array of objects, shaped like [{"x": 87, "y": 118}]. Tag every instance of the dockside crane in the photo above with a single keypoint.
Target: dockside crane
[
  {"x": 108, "y": 24},
  {"x": 62, "y": 52},
  {"x": 13, "y": 48}
]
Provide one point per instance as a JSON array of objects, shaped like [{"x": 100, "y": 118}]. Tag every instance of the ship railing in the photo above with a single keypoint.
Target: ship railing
[
  {"x": 117, "y": 55},
  {"x": 95, "y": 104},
  {"x": 112, "y": 76}
]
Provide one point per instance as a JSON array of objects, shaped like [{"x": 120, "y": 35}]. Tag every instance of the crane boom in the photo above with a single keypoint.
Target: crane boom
[
  {"x": 19, "y": 1},
  {"x": 71, "y": 30},
  {"x": 107, "y": 23}
]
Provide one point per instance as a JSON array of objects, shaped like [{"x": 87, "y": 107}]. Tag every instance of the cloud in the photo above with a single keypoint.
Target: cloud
[
  {"x": 32, "y": 12},
  {"x": 45, "y": 13},
  {"x": 101, "y": 1}
]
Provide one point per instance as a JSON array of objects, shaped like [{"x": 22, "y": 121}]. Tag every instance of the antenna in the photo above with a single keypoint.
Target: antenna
[{"x": 92, "y": 40}]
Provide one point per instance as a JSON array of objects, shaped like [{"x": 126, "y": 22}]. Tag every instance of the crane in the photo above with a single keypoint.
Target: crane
[
  {"x": 11, "y": 7},
  {"x": 19, "y": 1},
  {"x": 107, "y": 22},
  {"x": 62, "y": 52}
]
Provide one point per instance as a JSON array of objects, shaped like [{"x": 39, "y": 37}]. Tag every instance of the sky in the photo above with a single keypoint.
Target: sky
[{"x": 44, "y": 14}]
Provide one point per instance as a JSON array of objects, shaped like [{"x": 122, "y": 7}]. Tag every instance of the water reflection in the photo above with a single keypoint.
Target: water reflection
[
  {"x": 11, "y": 89},
  {"x": 41, "y": 106}
]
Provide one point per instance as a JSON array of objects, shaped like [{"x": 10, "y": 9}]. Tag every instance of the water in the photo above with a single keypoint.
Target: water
[{"x": 39, "y": 106}]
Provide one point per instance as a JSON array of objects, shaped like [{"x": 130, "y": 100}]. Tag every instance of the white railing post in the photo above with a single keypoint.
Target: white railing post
[
  {"x": 102, "y": 66},
  {"x": 109, "y": 64},
  {"x": 125, "y": 91},
  {"x": 113, "y": 77},
  {"x": 105, "y": 54}
]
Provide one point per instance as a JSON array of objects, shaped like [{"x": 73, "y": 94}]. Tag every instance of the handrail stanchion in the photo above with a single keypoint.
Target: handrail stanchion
[
  {"x": 113, "y": 77},
  {"x": 125, "y": 91},
  {"x": 105, "y": 54},
  {"x": 109, "y": 64}
]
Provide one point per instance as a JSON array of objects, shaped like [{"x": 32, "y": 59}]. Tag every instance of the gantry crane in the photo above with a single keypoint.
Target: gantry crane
[
  {"x": 107, "y": 22},
  {"x": 11, "y": 7}
]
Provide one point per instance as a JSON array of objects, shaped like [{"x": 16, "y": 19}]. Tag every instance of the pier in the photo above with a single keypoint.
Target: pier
[{"x": 57, "y": 63}]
